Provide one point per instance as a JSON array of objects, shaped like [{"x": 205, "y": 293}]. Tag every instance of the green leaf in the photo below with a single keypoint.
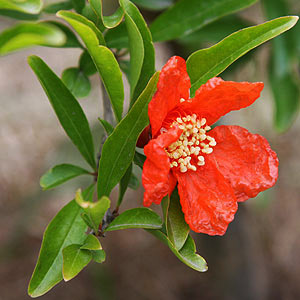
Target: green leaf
[
  {"x": 65, "y": 229},
  {"x": 18, "y": 15},
  {"x": 91, "y": 243},
  {"x": 187, "y": 253},
  {"x": 78, "y": 5},
  {"x": 77, "y": 82},
  {"x": 95, "y": 211},
  {"x": 107, "y": 126},
  {"x": 177, "y": 229},
  {"x": 142, "y": 55},
  {"x": 60, "y": 174},
  {"x": 136, "y": 218},
  {"x": 108, "y": 21},
  {"x": 118, "y": 150},
  {"x": 117, "y": 37},
  {"x": 67, "y": 109},
  {"x": 86, "y": 64},
  {"x": 187, "y": 16},
  {"x": 99, "y": 256},
  {"x": 24, "y": 35},
  {"x": 71, "y": 39},
  {"x": 139, "y": 159},
  {"x": 53, "y": 8},
  {"x": 207, "y": 63},
  {"x": 103, "y": 58},
  {"x": 133, "y": 182},
  {"x": 124, "y": 184},
  {"x": 154, "y": 4},
  {"x": 74, "y": 260},
  {"x": 284, "y": 81},
  {"x": 28, "y": 6}
]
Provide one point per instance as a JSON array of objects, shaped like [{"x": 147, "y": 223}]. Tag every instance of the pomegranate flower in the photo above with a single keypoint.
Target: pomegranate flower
[{"x": 215, "y": 169}]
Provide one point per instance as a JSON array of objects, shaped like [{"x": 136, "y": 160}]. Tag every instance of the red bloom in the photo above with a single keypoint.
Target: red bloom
[{"x": 215, "y": 168}]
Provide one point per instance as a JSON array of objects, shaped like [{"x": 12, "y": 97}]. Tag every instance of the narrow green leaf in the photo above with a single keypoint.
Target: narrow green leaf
[
  {"x": 65, "y": 229},
  {"x": 74, "y": 260},
  {"x": 177, "y": 229},
  {"x": 124, "y": 184},
  {"x": 71, "y": 39},
  {"x": 187, "y": 254},
  {"x": 60, "y": 174},
  {"x": 24, "y": 35},
  {"x": 107, "y": 126},
  {"x": 53, "y": 8},
  {"x": 136, "y": 218},
  {"x": 207, "y": 63},
  {"x": 95, "y": 211},
  {"x": 108, "y": 21},
  {"x": 15, "y": 14},
  {"x": 103, "y": 58},
  {"x": 77, "y": 82},
  {"x": 91, "y": 243},
  {"x": 133, "y": 182},
  {"x": 67, "y": 109},
  {"x": 118, "y": 150},
  {"x": 85, "y": 217},
  {"x": 142, "y": 54},
  {"x": 139, "y": 159},
  {"x": 28, "y": 6},
  {"x": 118, "y": 38},
  {"x": 99, "y": 256},
  {"x": 86, "y": 64},
  {"x": 154, "y": 4},
  {"x": 187, "y": 16}
]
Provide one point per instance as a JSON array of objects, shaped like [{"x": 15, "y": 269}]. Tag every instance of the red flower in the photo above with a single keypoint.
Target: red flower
[{"x": 215, "y": 168}]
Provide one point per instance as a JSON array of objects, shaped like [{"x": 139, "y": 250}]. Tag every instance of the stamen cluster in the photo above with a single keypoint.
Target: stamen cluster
[{"x": 187, "y": 152}]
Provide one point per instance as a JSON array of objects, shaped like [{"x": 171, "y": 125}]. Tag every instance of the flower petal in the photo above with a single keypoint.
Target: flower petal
[
  {"x": 217, "y": 97},
  {"x": 173, "y": 84},
  {"x": 245, "y": 159},
  {"x": 156, "y": 177},
  {"x": 207, "y": 199}
]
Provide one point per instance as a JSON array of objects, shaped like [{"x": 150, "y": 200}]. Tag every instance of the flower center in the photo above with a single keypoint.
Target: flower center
[{"x": 187, "y": 152}]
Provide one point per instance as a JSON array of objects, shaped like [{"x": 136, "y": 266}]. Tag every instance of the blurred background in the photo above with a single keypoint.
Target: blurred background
[{"x": 258, "y": 258}]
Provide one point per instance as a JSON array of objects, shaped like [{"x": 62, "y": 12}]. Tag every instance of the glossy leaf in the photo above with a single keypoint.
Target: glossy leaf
[
  {"x": 26, "y": 35},
  {"x": 108, "y": 21},
  {"x": 86, "y": 64},
  {"x": 60, "y": 174},
  {"x": 67, "y": 109},
  {"x": 99, "y": 256},
  {"x": 28, "y": 6},
  {"x": 103, "y": 58},
  {"x": 118, "y": 150},
  {"x": 124, "y": 184},
  {"x": 65, "y": 229},
  {"x": 53, "y": 8},
  {"x": 77, "y": 82},
  {"x": 107, "y": 126},
  {"x": 154, "y": 4},
  {"x": 187, "y": 253},
  {"x": 187, "y": 16},
  {"x": 283, "y": 80},
  {"x": 142, "y": 55},
  {"x": 71, "y": 39},
  {"x": 207, "y": 63},
  {"x": 89, "y": 13},
  {"x": 177, "y": 228},
  {"x": 91, "y": 243},
  {"x": 94, "y": 211},
  {"x": 74, "y": 260},
  {"x": 136, "y": 218}
]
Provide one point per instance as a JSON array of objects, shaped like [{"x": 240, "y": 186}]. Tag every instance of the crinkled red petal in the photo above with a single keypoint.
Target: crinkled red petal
[
  {"x": 245, "y": 159},
  {"x": 217, "y": 97},
  {"x": 207, "y": 199},
  {"x": 173, "y": 84},
  {"x": 156, "y": 177}
]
